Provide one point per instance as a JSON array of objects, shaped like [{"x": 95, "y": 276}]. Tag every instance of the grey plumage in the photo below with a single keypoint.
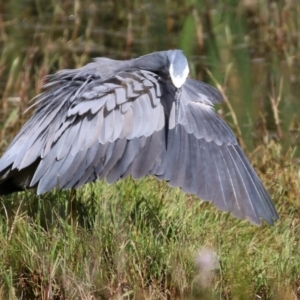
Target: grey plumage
[{"x": 110, "y": 119}]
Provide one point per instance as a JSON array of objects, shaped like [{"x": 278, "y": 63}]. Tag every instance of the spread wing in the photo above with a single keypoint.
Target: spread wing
[{"x": 86, "y": 128}]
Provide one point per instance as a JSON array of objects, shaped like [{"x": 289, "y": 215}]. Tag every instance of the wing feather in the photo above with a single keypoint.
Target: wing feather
[
  {"x": 128, "y": 123},
  {"x": 87, "y": 127},
  {"x": 119, "y": 125},
  {"x": 138, "y": 121},
  {"x": 176, "y": 171},
  {"x": 151, "y": 151}
]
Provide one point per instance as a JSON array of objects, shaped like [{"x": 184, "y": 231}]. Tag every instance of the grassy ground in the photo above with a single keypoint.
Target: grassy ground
[
  {"x": 145, "y": 240},
  {"x": 142, "y": 239}
]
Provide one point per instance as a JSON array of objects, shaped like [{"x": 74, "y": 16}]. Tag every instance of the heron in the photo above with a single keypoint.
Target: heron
[{"x": 113, "y": 118}]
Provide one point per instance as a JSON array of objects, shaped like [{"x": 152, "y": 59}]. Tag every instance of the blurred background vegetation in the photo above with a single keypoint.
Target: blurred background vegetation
[
  {"x": 251, "y": 47},
  {"x": 250, "y": 50}
]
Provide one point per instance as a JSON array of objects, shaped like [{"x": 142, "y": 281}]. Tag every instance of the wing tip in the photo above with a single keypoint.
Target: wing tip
[{"x": 269, "y": 217}]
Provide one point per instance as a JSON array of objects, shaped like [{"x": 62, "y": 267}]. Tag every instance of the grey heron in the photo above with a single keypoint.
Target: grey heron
[{"x": 110, "y": 119}]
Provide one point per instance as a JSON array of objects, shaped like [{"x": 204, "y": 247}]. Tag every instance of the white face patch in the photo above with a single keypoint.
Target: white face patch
[
  {"x": 179, "y": 79},
  {"x": 180, "y": 73}
]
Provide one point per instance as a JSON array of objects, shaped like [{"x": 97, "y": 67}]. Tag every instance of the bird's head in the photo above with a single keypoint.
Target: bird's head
[{"x": 178, "y": 68}]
